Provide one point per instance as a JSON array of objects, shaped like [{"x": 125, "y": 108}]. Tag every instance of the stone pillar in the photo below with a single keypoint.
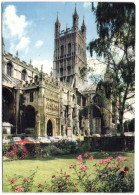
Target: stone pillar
[
  {"x": 77, "y": 121},
  {"x": 17, "y": 108},
  {"x": 38, "y": 125},
  {"x": 45, "y": 125}
]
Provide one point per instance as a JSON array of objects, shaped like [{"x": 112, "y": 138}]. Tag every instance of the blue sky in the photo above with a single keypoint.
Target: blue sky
[{"x": 29, "y": 28}]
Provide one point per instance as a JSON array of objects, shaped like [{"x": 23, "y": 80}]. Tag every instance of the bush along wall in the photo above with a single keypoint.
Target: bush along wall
[{"x": 111, "y": 143}]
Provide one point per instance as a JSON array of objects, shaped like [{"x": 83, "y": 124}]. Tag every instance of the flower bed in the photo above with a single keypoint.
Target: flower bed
[{"x": 111, "y": 175}]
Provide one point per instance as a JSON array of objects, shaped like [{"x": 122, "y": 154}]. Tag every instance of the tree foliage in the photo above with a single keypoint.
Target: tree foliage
[{"x": 115, "y": 46}]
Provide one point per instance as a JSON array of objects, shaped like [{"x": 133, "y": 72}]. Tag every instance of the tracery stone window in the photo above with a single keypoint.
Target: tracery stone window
[
  {"x": 9, "y": 69},
  {"x": 31, "y": 96},
  {"x": 23, "y": 75},
  {"x": 62, "y": 50},
  {"x": 69, "y": 48}
]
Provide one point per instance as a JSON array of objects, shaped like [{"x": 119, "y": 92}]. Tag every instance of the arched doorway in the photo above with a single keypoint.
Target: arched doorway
[
  {"x": 8, "y": 114},
  {"x": 49, "y": 128},
  {"x": 29, "y": 119}
]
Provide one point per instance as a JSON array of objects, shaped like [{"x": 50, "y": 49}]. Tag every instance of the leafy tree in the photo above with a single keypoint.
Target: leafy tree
[{"x": 116, "y": 48}]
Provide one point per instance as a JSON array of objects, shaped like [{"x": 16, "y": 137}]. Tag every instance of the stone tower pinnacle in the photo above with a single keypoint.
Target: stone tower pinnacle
[
  {"x": 75, "y": 19},
  {"x": 57, "y": 27}
]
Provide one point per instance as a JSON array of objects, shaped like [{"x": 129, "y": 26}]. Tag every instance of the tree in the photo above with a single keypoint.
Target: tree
[{"x": 116, "y": 48}]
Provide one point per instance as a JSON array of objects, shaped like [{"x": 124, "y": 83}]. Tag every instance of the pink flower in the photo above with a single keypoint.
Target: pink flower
[
  {"x": 70, "y": 166},
  {"x": 16, "y": 191},
  {"x": 107, "y": 160},
  {"x": 119, "y": 159},
  {"x": 78, "y": 164},
  {"x": 126, "y": 159},
  {"x": 83, "y": 167},
  {"x": 91, "y": 157},
  {"x": 131, "y": 165},
  {"x": 21, "y": 189},
  {"x": 86, "y": 155},
  {"x": 25, "y": 179},
  {"x": 17, "y": 187},
  {"x": 80, "y": 158},
  {"x": 101, "y": 162},
  {"x": 110, "y": 157},
  {"x": 12, "y": 180}
]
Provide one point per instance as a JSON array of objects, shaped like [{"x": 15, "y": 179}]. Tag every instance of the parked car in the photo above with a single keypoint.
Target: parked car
[
  {"x": 107, "y": 135},
  {"x": 32, "y": 139},
  {"x": 70, "y": 140},
  {"x": 16, "y": 139},
  {"x": 44, "y": 140}
]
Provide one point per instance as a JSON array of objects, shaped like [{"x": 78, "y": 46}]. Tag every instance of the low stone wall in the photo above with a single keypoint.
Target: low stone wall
[{"x": 111, "y": 143}]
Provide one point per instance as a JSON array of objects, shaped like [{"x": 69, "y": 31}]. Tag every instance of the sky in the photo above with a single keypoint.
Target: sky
[{"x": 28, "y": 27}]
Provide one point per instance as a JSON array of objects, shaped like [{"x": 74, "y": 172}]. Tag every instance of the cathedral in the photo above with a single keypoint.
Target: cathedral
[{"x": 36, "y": 104}]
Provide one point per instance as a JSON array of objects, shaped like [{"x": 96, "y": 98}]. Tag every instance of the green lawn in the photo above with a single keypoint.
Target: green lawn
[{"x": 50, "y": 166}]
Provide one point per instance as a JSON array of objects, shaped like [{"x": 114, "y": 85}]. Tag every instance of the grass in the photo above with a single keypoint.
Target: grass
[{"x": 51, "y": 166}]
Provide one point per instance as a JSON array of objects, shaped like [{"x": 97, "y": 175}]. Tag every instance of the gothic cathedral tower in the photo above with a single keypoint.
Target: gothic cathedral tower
[{"x": 70, "y": 63}]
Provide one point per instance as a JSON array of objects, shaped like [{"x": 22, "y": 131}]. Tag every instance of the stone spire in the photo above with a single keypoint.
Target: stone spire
[
  {"x": 75, "y": 19},
  {"x": 57, "y": 26},
  {"x": 83, "y": 29},
  {"x": 17, "y": 54},
  {"x": 57, "y": 20}
]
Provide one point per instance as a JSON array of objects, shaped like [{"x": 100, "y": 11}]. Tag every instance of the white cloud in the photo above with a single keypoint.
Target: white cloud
[
  {"x": 39, "y": 43},
  {"x": 23, "y": 44},
  {"x": 13, "y": 24},
  {"x": 86, "y": 4},
  {"x": 47, "y": 65}
]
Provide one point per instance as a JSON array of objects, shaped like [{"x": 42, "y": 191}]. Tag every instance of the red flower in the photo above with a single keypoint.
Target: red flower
[
  {"x": 39, "y": 185},
  {"x": 131, "y": 165},
  {"x": 67, "y": 176},
  {"x": 24, "y": 179},
  {"x": 126, "y": 173},
  {"x": 75, "y": 183},
  {"x": 126, "y": 169},
  {"x": 91, "y": 157},
  {"x": 12, "y": 180},
  {"x": 126, "y": 159},
  {"x": 53, "y": 176},
  {"x": 117, "y": 168}
]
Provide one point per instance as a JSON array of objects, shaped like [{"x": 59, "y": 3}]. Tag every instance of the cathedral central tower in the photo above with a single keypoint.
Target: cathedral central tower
[{"x": 70, "y": 61}]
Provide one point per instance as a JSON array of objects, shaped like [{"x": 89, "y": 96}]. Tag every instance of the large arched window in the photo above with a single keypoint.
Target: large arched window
[
  {"x": 9, "y": 69},
  {"x": 69, "y": 48},
  {"x": 23, "y": 75},
  {"x": 62, "y": 50}
]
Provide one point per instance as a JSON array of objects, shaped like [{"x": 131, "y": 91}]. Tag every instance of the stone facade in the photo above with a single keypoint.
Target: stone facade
[{"x": 36, "y": 104}]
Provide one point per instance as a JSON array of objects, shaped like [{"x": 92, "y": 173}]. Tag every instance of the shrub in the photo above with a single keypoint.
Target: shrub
[
  {"x": 17, "y": 152},
  {"x": 111, "y": 175},
  {"x": 51, "y": 150}
]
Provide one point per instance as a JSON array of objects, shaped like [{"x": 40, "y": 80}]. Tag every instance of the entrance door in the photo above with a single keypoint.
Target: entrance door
[{"x": 49, "y": 128}]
